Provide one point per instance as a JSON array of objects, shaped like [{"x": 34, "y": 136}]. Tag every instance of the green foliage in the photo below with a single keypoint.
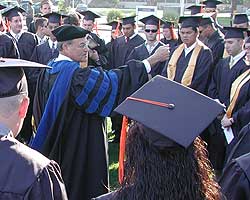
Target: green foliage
[
  {"x": 114, "y": 15},
  {"x": 62, "y": 7},
  {"x": 171, "y": 15}
]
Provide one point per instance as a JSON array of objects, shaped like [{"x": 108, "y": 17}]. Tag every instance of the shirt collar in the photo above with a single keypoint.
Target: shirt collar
[
  {"x": 62, "y": 57},
  {"x": 239, "y": 56},
  {"x": 150, "y": 48},
  {"x": 4, "y": 130},
  {"x": 189, "y": 49},
  {"x": 51, "y": 42},
  {"x": 14, "y": 34}
]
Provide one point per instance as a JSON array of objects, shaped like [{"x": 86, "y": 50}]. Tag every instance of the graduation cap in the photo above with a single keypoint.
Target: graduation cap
[
  {"x": 189, "y": 21},
  {"x": 114, "y": 25},
  {"x": 12, "y": 78},
  {"x": 234, "y": 32},
  {"x": 13, "y": 12},
  {"x": 128, "y": 20},
  {"x": 151, "y": 20},
  {"x": 211, "y": 3},
  {"x": 168, "y": 24},
  {"x": 179, "y": 114},
  {"x": 240, "y": 19},
  {"x": 197, "y": 8},
  {"x": 69, "y": 32},
  {"x": 206, "y": 20},
  {"x": 54, "y": 17},
  {"x": 2, "y": 7},
  {"x": 89, "y": 15}
]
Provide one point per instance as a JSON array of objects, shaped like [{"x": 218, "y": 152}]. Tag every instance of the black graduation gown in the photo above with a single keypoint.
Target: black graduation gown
[
  {"x": 121, "y": 49},
  {"x": 8, "y": 47},
  {"x": 141, "y": 53},
  {"x": 235, "y": 180},
  {"x": 43, "y": 53},
  {"x": 76, "y": 140},
  {"x": 172, "y": 43},
  {"x": 201, "y": 72},
  {"x": 108, "y": 46},
  {"x": 26, "y": 174}
]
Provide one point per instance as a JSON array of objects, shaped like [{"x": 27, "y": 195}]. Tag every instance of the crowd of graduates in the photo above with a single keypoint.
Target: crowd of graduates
[{"x": 187, "y": 129}]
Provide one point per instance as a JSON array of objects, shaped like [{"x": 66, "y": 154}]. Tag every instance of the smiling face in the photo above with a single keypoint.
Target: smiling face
[{"x": 16, "y": 24}]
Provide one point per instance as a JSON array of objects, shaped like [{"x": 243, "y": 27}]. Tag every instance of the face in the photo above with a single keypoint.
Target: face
[
  {"x": 204, "y": 32},
  {"x": 247, "y": 49},
  {"x": 233, "y": 46},
  {"x": 16, "y": 24},
  {"x": 188, "y": 36},
  {"x": 50, "y": 28},
  {"x": 151, "y": 32},
  {"x": 88, "y": 25},
  {"x": 166, "y": 33},
  {"x": 44, "y": 28},
  {"x": 45, "y": 9},
  {"x": 242, "y": 25},
  {"x": 128, "y": 29},
  {"x": 77, "y": 50},
  {"x": 211, "y": 10}
]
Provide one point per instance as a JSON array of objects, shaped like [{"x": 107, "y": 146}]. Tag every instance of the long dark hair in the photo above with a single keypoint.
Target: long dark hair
[{"x": 173, "y": 173}]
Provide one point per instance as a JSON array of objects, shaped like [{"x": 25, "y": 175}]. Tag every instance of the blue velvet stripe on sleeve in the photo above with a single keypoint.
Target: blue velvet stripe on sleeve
[
  {"x": 107, "y": 109},
  {"x": 103, "y": 89},
  {"x": 57, "y": 95},
  {"x": 90, "y": 84}
]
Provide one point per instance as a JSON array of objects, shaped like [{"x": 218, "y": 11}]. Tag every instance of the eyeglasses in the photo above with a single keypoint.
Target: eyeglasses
[{"x": 151, "y": 30}]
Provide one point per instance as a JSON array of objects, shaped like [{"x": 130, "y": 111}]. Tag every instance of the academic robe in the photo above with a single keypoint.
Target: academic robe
[
  {"x": 141, "y": 53},
  {"x": 172, "y": 43},
  {"x": 235, "y": 180},
  {"x": 43, "y": 53},
  {"x": 201, "y": 72},
  {"x": 8, "y": 47},
  {"x": 219, "y": 88},
  {"x": 75, "y": 138},
  {"x": 121, "y": 49},
  {"x": 26, "y": 174}
]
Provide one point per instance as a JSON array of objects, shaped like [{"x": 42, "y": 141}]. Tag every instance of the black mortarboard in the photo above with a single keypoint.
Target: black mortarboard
[
  {"x": 189, "y": 21},
  {"x": 233, "y": 32},
  {"x": 54, "y": 17},
  {"x": 171, "y": 110},
  {"x": 206, "y": 20},
  {"x": 2, "y": 7},
  {"x": 69, "y": 32},
  {"x": 13, "y": 12},
  {"x": 240, "y": 18},
  {"x": 89, "y": 15},
  {"x": 114, "y": 25},
  {"x": 12, "y": 78},
  {"x": 168, "y": 24},
  {"x": 128, "y": 20},
  {"x": 211, "y": 3},
  {"x": 151, "y": 20},
  {"x": 195, "y": 9}
]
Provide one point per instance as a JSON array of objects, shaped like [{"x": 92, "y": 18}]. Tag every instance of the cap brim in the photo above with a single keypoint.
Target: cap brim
[{"x": 11, "y": 62}]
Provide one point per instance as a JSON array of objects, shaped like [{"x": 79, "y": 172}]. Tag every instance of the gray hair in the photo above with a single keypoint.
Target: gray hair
[{"x": 60, "y": 44}]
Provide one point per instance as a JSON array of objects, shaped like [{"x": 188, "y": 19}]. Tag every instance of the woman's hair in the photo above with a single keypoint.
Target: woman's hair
[{"x": 173, "y": 173}]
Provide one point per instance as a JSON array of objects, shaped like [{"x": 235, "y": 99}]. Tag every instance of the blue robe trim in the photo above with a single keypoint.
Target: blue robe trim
[{"x": 55, "y": 100}]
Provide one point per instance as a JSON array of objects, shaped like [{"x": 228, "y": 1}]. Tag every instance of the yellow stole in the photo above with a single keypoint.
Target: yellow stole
[
  {"x": 235, "y": 90},
  {"x": 189, "y": 72}
]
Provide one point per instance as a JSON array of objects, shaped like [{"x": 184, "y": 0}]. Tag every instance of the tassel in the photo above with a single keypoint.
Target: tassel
[
  {"x": 159, "y": 30},
  {"x": 122, "y": 148},
  {"x": 96, "y": 29},
  {"x": 117, "y": 29}
]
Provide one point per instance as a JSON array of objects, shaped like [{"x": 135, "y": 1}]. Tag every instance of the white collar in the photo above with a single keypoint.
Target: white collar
[
  {"x": 51, "y": 42},
  {"x": 14, "y": 34},
  {"x": 132, "y": 36},
  {"x": 62, "y": 57},
  {"x": 4, "y": 130},
  {"x": 238, "y": 56},
  {"x": 189, "y": 49},
  {"x": 150, "y": 48}
]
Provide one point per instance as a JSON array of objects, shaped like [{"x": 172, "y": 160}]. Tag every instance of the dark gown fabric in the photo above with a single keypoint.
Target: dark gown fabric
[
  {"x": 43, "y": 53},
  {"x": 235, "y": 180},
  {"x": 172, "y": 43},
  {"x": 8, "y": 47},
  {"x": 26, "y": 174},
  {"x": 121, "y": 49},
  {"x": 141, "y": 53},
  {"x": 219, "y": 88},
  {"x": 76, "y": 139},
  {"x": 201, "y": 72}
]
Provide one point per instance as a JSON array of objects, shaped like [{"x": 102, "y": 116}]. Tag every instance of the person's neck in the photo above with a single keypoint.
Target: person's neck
[
  {"x": 151, "y": 43},
  {"x": 168, "y": 38},
  {"x": 40, "y": 35}
]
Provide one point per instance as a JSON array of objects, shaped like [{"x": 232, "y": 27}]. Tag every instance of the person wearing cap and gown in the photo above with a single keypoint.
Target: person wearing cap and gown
[
  {"x": 212, "y": 38},
  {"x": 226, "y": 77},
  {"x": 241, "y": 21},
  {"x": 123, "y": 46},
  {"x": 24, "y": 173},
  {"x": 190, "y": 63},
  {"x": 116, "y": 31},
  {"x": 163, "y": 159},
  {"x": 211, "y": 7},
  {"x": 98, "y": 56},
  {"x": 71, "y": 104},
  {"x": 143, "y": 51},
  {"x": 169, "y": 35}
]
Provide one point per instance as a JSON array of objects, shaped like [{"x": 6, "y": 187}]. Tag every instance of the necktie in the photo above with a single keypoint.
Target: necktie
[
  {"x": 17, "y": 37},
  {"x": 127, "y": 39},
  {"x": 53, "y": 47},
  {"x": 231, "y": 63}
]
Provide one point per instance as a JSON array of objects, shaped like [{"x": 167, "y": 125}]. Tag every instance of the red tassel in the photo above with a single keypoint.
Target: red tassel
[
  {"x": 96, "y": 29},
  {"x": 159, "y": 30},
  {"x": 117, "y": 29},
  {"x": 122, "y": 148}
]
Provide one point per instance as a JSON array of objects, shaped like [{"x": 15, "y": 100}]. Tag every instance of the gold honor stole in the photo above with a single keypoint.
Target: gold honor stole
[
  {"x": 235, "y": 90},
  {"x": 189, "y": 72}
]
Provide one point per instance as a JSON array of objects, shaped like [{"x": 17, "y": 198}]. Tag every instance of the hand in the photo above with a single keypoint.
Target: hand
[
  {"x": 226, "y": 122},
  {"x": 160, "y": 55},
  {"x": 93, "y": 54}
]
